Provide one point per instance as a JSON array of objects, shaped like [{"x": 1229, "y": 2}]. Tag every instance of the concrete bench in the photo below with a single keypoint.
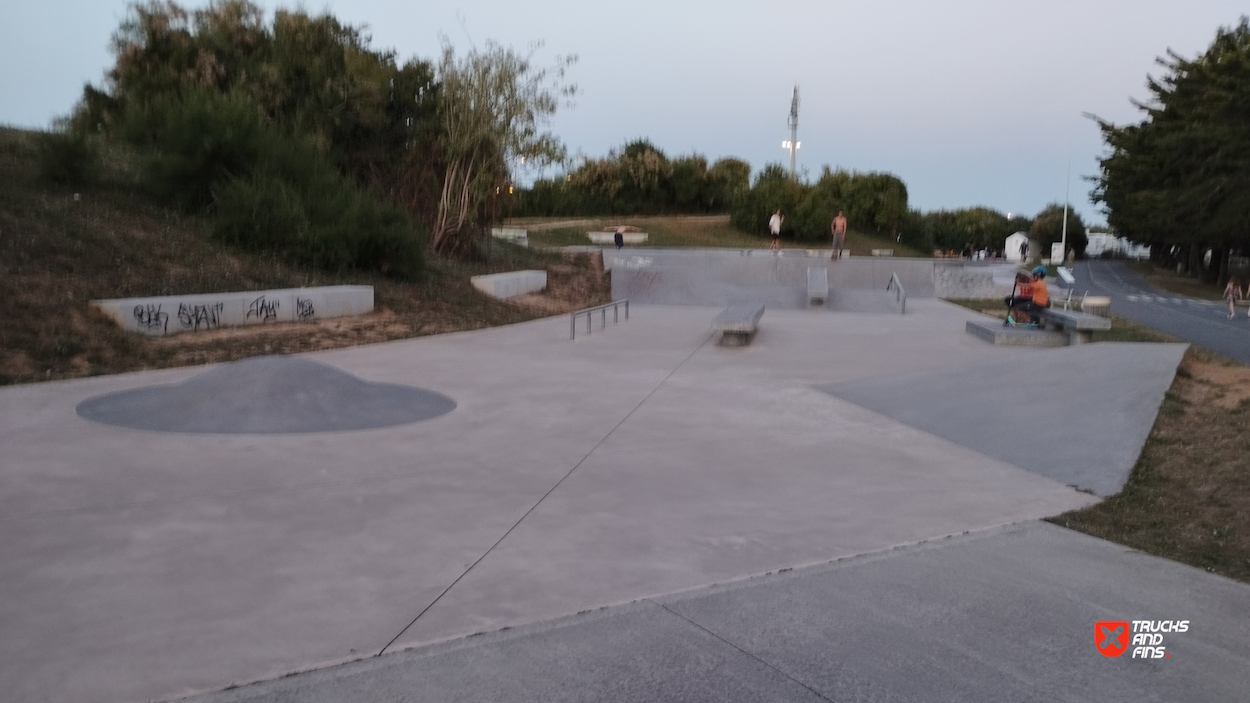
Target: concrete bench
[
  {"x": 738, "y": 324},
  {"x": 817, "y": 284},
  {"x": 1080, "y": 326},
  {"x": 610, "y": 237},
  {"x": 511, "y": 283}
]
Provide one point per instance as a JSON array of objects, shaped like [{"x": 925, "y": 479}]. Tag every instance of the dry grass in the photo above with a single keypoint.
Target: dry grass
[
  {"x": 689, "y": 231},
  {"x": 58, "y": 252}
]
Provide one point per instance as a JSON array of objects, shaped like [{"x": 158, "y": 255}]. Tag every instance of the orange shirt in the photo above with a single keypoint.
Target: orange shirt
[{"x": 1040, "y": 296}]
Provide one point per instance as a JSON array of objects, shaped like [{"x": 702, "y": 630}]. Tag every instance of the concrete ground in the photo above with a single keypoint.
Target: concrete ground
[
  {"x": 1002, "y": 615},
  {"x": 639, "y": 462}
]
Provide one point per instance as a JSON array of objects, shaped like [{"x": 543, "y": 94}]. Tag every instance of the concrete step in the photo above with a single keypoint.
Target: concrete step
[{"x": 996, "y": 332}]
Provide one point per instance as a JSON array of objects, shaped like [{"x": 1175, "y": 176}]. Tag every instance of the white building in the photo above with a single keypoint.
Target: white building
[{"x": 1011, "y": 250}]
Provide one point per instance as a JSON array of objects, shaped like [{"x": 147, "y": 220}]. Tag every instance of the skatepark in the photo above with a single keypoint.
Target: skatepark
[{"x": 845, "y": 509}]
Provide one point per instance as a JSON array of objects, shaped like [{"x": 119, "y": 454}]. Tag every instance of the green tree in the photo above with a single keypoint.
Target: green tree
[
  {"x": 1181, "y": 177},
  {"x": 773, "y": 190},
  {"x": 494, "y": 104},
  {"x": 1047, "y": 229}
]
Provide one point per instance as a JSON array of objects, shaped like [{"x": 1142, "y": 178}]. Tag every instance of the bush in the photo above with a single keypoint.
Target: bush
[
  {"x": 266, "y": 188},
  {"x": 193, "y": 142},
  {"x": 322, "y": 220},
  {"x": 67, "y": 157}
]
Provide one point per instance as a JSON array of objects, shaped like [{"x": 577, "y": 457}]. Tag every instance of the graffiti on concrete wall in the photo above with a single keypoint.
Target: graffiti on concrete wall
[
  {"x": 304, "y": 308},
  {"x": 198, "y": 317},
  {"x": 150, "y": 318},
  {"x": 263, "y": 309}
]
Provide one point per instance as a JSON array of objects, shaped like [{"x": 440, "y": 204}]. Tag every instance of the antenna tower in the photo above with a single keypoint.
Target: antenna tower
[{"x": 794, "y": 129}]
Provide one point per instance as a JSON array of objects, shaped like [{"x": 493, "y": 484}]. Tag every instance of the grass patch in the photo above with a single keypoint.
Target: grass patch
[
  {"x": 62, "y": 246},
  {"x": 1172, "y": 282},
  {"x": 689, "y": 231},
  {"x": 1188, "y": 497}
]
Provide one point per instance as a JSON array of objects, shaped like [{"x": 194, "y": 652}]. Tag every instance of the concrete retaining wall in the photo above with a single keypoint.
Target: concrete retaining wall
[
  {"x": 724, "y": 277},
  {"x": 170, "y": 314},
  {"x": 610, "y": 237},
  {"x": 507, "y": 285}
]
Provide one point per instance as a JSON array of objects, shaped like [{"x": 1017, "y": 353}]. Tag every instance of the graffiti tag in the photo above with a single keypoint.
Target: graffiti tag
[
  {"x": 304, "y": 308},
  {"x": 195, "y": 317},
  {"x": 150, "y": 318},
  {"x": 263, "y": 309}
]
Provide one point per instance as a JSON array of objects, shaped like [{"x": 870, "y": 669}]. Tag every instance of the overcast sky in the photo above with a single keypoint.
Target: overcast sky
[{"x": 970, "y": 102}]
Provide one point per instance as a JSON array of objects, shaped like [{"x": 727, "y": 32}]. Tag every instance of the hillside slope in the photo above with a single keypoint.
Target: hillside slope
[{"x": 61, "y": 247}]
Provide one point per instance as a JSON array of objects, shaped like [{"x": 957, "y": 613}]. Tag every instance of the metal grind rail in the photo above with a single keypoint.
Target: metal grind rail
[
  {"x": 616, "y": 306},
  {"x": 900, "y": 295}
]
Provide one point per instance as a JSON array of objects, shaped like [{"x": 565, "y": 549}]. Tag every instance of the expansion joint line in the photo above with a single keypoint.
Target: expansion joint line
[
  {"x": 544, "y": 496},
  {"x": 814, "y": 692}
]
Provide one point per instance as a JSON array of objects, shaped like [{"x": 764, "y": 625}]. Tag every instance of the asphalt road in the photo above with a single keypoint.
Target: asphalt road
[{"x": 1202, "y": 322}]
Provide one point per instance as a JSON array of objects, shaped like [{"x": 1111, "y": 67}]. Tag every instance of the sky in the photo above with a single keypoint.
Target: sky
[{"x": 969, "y": 102}]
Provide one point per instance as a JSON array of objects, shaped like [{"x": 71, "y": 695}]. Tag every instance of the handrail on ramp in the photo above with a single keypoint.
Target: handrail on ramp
[
  {"x": 589, "y": 312},
  {"x": 900, "y": 295}
]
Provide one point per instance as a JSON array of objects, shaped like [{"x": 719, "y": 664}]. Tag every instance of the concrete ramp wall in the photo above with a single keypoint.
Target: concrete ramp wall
[{"x": 723, "y": 277}]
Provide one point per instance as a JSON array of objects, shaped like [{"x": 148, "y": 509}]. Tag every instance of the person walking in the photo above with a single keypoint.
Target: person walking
[
  {"x": 1232, "y": 293},
  {"x": 774, "y": 228},
  {"x": 839, "y": 235}
]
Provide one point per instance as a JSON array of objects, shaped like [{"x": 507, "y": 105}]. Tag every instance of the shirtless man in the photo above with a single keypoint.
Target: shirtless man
[{"x": 839, "y": 234}]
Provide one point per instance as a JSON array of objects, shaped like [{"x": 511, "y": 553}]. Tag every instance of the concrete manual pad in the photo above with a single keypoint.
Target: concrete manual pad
[
  {"x": 1079, "y": 415},
  {"x": 572, "y": 475},
  {"x": 1003, "y": 615}
]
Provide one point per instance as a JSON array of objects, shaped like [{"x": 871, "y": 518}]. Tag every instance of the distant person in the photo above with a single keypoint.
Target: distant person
[
  {"x": 774, "y": 228},
  {"x": 1024, "y": 252},
  {"x": 619, "y": 237},
  {"x": 1232, "y": 293},
  {"x": 839, "y": 234}
]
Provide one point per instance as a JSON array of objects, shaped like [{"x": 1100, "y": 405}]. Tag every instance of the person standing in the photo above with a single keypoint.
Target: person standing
[
  {"x": 1232, "y": 292},
  {"x": 774, "y": 228},
  {"x": 839, "y": 234}
]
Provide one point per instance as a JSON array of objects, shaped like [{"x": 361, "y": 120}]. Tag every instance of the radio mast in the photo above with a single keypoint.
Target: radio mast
[{"x": 793, "y": 144}]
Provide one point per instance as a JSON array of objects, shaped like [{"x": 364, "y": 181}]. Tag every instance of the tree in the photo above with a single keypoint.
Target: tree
[
  {"x": 1181, "y": 177},
  {"x": 1048, "y": 228},
  {"x": 494, "y": 104}
]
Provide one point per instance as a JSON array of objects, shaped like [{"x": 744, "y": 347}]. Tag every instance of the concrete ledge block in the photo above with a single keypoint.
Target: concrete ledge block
[
  {"x": 996, "y": 332},
  {"x": 511, "y": 283},
  {"x": 609, "y": 237},
  {"x": 169, "y": 314}
]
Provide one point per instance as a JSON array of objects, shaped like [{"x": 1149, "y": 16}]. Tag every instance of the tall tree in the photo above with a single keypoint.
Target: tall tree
[
  {"x": 1181, "y": 177},
  {"x": 494, "y": 104}
]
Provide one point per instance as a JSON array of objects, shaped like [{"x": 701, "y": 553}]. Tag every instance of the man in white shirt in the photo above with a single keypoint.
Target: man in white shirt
[{"x": 774, "y": 228}]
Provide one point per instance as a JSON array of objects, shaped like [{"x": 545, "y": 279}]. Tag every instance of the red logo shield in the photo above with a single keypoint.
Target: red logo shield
[{"x": 1111, "y": 637}]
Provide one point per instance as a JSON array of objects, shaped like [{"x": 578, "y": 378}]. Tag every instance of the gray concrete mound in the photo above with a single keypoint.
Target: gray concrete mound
[{"x": 267, "y": 395}]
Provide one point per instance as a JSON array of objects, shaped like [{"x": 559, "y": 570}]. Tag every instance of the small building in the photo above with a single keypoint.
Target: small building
[{"x": 1011, "y": 249}]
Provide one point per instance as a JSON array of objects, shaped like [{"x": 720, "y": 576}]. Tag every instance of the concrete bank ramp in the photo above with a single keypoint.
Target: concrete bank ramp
[
  {"x": 267, "y": 395},
  {"x": 1079, "y": 415}
]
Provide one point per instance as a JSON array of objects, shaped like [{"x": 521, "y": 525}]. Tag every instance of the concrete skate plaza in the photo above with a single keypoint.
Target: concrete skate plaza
[{"x": 639, "y": 462}]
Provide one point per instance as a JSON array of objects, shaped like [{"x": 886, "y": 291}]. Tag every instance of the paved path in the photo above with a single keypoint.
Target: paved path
[
  {"x": 1004, "y": 615},
  {"x": 635, "y": 463},
  {"x": 1203, "y": 322}
]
